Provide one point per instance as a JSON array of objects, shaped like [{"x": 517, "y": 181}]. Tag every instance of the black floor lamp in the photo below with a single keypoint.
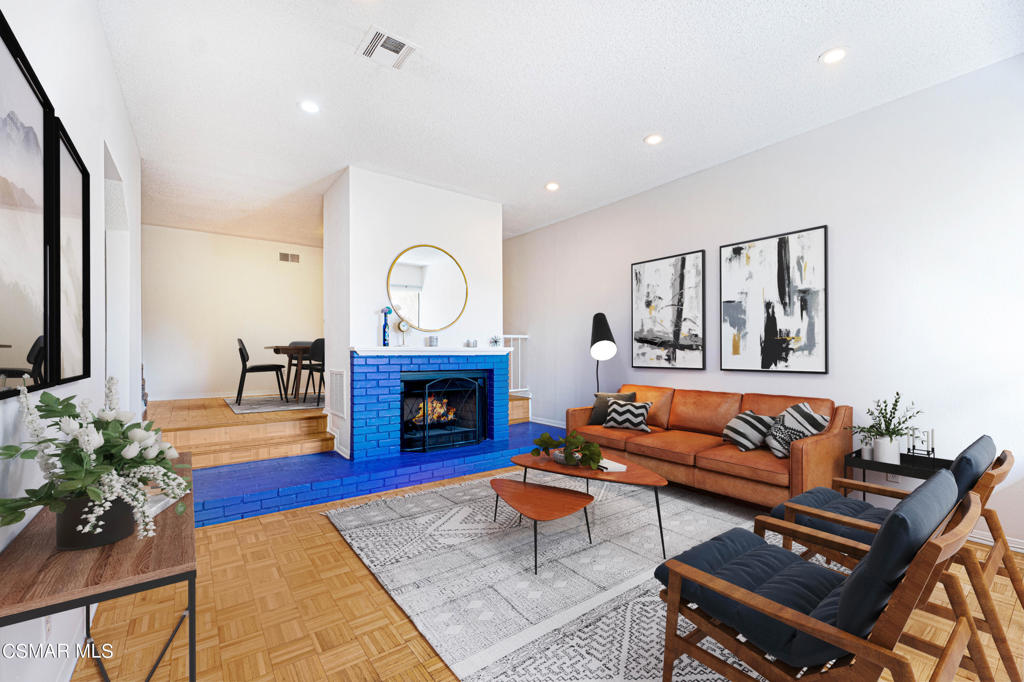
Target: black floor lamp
[{"x": 602, "y": 344}]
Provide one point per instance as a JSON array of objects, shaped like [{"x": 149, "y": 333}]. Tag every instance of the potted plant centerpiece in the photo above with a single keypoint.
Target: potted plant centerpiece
[
  {"x": 888, "y": 423},
  {"x": 573, "y": 450},
  {"x": 99, "y": 468}
]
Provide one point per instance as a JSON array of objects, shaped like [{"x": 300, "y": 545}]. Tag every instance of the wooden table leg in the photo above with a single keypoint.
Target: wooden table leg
[{"x": 298, "y": 375}]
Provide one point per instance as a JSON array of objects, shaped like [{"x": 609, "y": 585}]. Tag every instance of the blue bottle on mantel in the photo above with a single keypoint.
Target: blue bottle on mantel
[{"x": 387, "y": 311}]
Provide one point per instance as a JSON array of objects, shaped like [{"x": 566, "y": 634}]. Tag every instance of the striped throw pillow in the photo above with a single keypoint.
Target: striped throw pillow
[
  {"x": 747, "y": 430},
  {"x": 623, "y": 415},
  {"x": 798, "y": 421}
]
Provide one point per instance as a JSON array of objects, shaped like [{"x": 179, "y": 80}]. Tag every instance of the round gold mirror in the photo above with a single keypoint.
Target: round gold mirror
[{"x": 427, "y": 288}]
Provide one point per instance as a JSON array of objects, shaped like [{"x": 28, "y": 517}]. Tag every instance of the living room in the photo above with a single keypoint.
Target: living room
[{"x": 780, "y": 241}]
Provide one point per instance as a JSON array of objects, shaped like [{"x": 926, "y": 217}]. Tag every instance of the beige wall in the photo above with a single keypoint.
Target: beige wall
[
  {"x": 201, "y": 291},
  {"x": 924, "y": 202}
]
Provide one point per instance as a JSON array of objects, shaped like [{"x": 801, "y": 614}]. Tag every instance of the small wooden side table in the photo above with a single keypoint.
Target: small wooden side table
[
  {"x": 38, "y": 580},
  {"x": 541, "y": 503}
]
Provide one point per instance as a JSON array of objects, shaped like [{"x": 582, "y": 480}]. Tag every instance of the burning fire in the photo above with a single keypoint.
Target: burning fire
[{"x": 437, "y": 411}]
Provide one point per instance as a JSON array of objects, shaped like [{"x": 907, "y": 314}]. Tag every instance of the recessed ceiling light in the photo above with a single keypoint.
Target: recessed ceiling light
[
  {"x": 309, "y": 106},
  {"x": 833, "y": 56},
  {"x": 551, "y": 187},
  {"x": 653, "y": 139}
]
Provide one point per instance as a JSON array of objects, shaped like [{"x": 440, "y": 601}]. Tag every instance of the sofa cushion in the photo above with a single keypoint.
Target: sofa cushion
[
  {"x": 612, "y": 438},
  {"x": 703, "y": 411},
  {"x": 600, "y": 410},
  {"x": 624, "y": 415},
  {"x": 672, "y": 445},
  {"x": 660, "y": 399},
  {"x": 897, "y": 542},
  {"x": 970, "y": 464},
  {"x": 756, "y": 465},
  {"x": 830, "y": 500},
  {"x": 772, "y": 405},
  {"x": 746, "y": 560}
]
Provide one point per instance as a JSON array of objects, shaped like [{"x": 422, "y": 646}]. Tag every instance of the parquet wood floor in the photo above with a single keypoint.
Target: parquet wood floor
[{"x": 283, "y": 597}]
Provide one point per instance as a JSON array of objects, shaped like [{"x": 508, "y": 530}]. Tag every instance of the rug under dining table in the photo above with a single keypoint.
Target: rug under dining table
[{"x": 591, "y": 613}]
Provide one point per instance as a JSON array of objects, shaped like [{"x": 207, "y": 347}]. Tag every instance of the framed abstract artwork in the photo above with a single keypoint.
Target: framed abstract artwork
[
  {"x": 26, "y": 117},
  {"x": 774, "y": 303},
  {"x": 668, "y": 329},
  {"x": 73, "y": 238}
]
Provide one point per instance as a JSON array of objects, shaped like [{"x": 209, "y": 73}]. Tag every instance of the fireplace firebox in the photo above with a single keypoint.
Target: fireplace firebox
[{"x": 444, "y": 409}]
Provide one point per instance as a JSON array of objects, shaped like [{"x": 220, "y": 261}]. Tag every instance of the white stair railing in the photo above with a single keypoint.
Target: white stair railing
[{"x": 517, "y": 362}]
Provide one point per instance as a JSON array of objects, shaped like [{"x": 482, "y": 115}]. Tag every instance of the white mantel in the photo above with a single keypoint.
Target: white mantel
[{"x": 429, "y": 350}]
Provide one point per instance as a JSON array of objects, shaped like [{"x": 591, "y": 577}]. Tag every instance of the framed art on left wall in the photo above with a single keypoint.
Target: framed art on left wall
[{"x": 668, "y": 328}]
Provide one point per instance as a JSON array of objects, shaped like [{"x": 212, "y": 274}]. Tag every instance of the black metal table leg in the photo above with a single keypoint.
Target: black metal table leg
[
  {"x": 89, "y": 641},
  {"x": 588, "y": 485},
  {"x": 661, "y": 530},
  {"x": 495, "y": 507},
  {"x": 587, "y": 519},
  {"x": 535, "y": 547},
  {"x": 192, "y": 629}
]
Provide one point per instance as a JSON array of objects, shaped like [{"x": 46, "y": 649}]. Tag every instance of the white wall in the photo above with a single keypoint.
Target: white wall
[
  {"x": 924, "y": 199},
  {"x": 388, "y": 215},
  {"x": 369, "y": 219},
  {"x": 67, "y": 48},
  {"x": 202, "y": 291}
]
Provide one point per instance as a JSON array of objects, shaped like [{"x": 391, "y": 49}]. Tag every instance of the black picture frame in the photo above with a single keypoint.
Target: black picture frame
[
  {"x": 823, "y": 293},
  {"x": 63, "y": 268},
  {"x": 53, "y": 135},
  {"x": 633, "y": 331}
]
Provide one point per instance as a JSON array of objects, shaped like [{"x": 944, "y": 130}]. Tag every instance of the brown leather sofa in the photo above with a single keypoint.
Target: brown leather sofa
[{"x": 686, "y": 446}]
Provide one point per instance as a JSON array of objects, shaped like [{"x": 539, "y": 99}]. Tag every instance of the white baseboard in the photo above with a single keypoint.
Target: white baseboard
[
  {"x": 984, "y": 537},
  {"x": 560, "y": 423}
]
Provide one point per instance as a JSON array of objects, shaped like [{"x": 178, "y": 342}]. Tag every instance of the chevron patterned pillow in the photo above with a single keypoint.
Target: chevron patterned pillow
[
  {"x": 798, "y": 421},
  {"x": 623, "y": 415},
  {"x": 747, "y": 430}
]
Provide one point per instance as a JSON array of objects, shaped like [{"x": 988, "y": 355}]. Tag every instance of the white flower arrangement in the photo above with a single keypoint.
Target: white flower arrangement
[{"x": 105, "y": 455}]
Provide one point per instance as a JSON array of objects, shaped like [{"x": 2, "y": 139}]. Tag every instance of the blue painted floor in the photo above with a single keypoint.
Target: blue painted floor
[{"x": 235, "y": 491}]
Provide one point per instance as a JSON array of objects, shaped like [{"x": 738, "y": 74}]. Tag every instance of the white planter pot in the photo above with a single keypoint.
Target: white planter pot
[
  {"x": 886, "y": 450},
  {"x": 865, "y": 449}
]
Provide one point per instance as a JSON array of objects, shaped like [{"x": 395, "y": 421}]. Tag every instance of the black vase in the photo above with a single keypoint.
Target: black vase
[{"x": 118, "y": 523}]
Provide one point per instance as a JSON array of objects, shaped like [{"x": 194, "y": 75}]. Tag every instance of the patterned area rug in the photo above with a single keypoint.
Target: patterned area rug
[
  {"x": 591, "y": 613},
  {"x": 270, "y": 404}
]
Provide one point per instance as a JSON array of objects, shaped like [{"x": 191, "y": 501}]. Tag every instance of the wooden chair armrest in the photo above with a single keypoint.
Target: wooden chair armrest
[
  {"x": 838, "y": 484},
  {"x": 803, "y": 535},
  {"x": 784, "y": 614},
  {"x": 792, "y": 509}
]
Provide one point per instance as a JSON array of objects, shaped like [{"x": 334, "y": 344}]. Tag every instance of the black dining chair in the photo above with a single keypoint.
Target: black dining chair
[
  {"x": 36, "y": 358},
  {"x": 278, "y": 370},
  {"x": 292, "y": 362},
  {"x": 315, "y": 366}
]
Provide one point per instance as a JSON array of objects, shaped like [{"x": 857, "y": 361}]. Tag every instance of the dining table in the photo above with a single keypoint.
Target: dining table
[{"x": 297, "y": 351}]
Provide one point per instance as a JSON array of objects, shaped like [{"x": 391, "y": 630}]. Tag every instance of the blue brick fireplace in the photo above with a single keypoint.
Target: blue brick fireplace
[{"x": 376, "y": 385}]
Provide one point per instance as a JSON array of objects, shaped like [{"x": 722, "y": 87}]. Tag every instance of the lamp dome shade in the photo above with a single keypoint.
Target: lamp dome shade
[{"x": 602, "y": 343}]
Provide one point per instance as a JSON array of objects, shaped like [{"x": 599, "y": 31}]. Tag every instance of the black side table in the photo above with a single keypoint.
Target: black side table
[{"x": 914, "y": 466}]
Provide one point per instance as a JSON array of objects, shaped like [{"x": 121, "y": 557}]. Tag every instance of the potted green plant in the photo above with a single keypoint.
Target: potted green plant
[
  {"x": 99, "y": 468},
  {"x": 573, "y": 450},
  {"x": 888, "y": 423}
]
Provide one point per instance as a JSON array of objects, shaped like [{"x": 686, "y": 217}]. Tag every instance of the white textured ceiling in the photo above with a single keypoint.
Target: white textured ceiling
[{"x": 503, "y": 96}]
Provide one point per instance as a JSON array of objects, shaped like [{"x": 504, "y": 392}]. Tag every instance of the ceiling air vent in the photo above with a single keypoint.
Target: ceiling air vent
[{"x": 385, "y": 49}]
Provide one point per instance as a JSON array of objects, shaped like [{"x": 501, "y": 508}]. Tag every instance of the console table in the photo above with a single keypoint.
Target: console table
[{"x": 39, "y": 581}]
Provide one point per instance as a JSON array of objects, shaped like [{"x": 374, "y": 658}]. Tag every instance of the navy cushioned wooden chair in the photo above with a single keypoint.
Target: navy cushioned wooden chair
[
  {"x": 315, "y": 366},
  {"x": 787, "y": 618},
  {"x": 243, "y": 355},
  {"x": 975, "y": 469}
]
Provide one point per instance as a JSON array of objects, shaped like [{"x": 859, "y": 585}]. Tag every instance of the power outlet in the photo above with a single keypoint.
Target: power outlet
[
  {"x": 892, "y": 478},
  {"x": 47, "y": 627}
]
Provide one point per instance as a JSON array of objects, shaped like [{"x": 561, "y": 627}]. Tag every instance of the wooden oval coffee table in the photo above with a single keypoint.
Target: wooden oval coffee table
[
  {"x": 634, "y": 474},
  {"x": 541, "y": 503}
]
